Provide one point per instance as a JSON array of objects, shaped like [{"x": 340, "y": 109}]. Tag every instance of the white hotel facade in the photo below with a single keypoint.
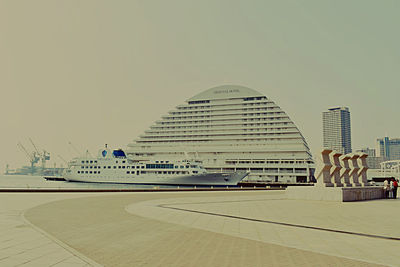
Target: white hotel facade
[{"x": 230, "y": 128}]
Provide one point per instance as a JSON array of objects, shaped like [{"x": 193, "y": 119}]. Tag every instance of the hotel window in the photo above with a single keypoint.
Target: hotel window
[
  {"x": 91, "y": 161},
  {"x": 119, "y": 167},
  {"x": 82, "y": 167},
  {"x": 98, "y": 172},
  {"x": 115, "y": 167},
  {"x": 86, "y": 171},
  {"x": 79, "y": 172},
  {"x": 104, "y": 167},
  {"x": 109, "y": 167},
  {"x": 91, "y": 172},
  {"x": 128, "y": 172}
]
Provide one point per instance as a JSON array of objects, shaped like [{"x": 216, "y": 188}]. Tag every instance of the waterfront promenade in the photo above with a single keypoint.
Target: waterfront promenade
[{"x": 242, "y": 228}]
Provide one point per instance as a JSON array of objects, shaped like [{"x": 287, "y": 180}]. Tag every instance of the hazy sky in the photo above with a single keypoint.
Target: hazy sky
[{"x": 96, "y": 72}]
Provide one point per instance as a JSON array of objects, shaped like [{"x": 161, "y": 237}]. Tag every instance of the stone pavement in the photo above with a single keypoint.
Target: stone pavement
[
  {"x": 365, "y": 231},
  {"x": 223, "y": 229},
  {"x": 21, "y": 244}
]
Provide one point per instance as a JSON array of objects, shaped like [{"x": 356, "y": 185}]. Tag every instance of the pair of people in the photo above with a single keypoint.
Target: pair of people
[{"x": 390, "y": 188}]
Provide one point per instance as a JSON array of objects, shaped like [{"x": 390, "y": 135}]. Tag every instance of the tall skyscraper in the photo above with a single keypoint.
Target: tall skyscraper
[
  {"x": 336, "y": 129},
  {"x": 388, "y": 148}
]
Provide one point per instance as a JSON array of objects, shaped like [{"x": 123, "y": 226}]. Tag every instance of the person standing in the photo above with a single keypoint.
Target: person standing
[
  {"x": 386, "y": 188},
  {"x": 395, "y": 185},
  {"x": 391, "y": 188}
]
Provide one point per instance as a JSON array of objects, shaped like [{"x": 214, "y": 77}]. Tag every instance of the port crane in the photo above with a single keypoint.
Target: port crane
[
  {"x": 43, "y": 156},
  {"x": 33, "y": 157},
  {"x": 87, "y": 154}
]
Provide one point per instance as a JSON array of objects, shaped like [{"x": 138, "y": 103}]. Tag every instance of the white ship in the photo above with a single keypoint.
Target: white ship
[{"x": 112, "y": 166}]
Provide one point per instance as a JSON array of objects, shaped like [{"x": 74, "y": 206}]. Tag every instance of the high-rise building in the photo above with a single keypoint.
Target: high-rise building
[
  {"x": 336, "y": 129},
  {"x": 230, "y": 128},
  {"x": 388, "y": 148},
  {"x": 371, "y": 152},
  {"x": 373, "y": 161}
]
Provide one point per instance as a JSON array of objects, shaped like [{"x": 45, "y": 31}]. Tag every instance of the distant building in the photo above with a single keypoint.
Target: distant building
[
  {"x": 373, "y": 161},
  {"x": 389, "y": 148},
  {"x": 371, "y": 152},
  {"x": 336, "y": 129}
]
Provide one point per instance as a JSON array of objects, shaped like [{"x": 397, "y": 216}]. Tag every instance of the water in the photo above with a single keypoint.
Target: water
[{"x": 27, "y": 181}]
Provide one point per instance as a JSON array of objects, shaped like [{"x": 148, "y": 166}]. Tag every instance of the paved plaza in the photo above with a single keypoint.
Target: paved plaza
[{"x": 241, "y": 228}]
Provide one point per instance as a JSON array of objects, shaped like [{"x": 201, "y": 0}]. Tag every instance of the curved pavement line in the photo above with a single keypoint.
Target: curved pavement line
[
  {"x": 60, "y": 243},
  {"x": 169, "y": 206}
]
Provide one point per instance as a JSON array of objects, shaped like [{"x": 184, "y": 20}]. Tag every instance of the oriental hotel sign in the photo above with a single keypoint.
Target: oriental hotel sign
[{"x": 227, "y": 91}]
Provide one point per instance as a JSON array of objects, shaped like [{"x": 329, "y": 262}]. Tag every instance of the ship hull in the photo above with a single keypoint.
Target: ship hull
[{"x": 208, "y": 179}]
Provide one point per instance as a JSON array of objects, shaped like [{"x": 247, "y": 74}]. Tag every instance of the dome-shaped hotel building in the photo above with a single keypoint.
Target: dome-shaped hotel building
[{"x": 230, "y": 128}]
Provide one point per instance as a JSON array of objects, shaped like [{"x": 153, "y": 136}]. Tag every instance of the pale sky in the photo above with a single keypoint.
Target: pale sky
[{"x": 96, "y": 72}]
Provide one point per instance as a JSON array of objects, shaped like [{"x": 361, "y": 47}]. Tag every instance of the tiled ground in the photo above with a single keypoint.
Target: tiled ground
[
  {"x": 355, "y": 230},
  {"x": 21, "y": 244},
  {"x": 153, "y": 235}
]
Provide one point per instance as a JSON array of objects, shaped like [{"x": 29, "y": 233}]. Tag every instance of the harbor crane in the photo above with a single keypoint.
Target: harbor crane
[
  {"x": 87, "y": 154},
  {"x": 33, "y": 157},
  {"x": 75, "y": 149},
  {"x": 44, "y": 155}
]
